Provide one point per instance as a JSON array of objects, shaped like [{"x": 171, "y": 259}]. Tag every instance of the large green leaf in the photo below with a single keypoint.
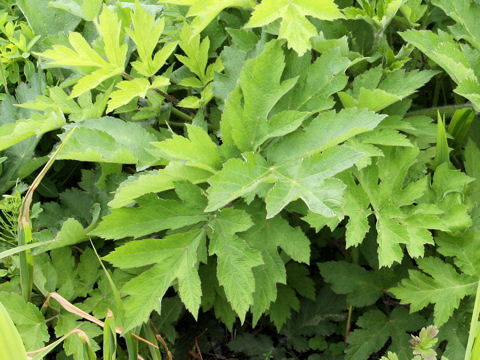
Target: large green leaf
[
  {"x": 246, "y": 118},
  {"x": 150, "y": 216},
  {"x": 173, "y": 257},
  {"x": 110, "y": 140}
]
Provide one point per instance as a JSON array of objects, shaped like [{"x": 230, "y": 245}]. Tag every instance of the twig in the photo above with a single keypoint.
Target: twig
[{"x": 161, "y": 340}]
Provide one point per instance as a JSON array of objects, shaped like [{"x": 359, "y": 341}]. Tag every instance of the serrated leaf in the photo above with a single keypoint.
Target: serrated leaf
[
  {"x": 146, "y": 35},
  {"x": 37, "y": 125},
  {"x": 362, "y": 287},
  {"x": 310, "y": 179},
  {"x": 281, "y": 309},
  {"x": 294, "y": 26},
  {"x": 317, "y": 81},
  {"x": 266, "y": 236},
  {"x": 173, "y": 257},
  {"x": 325, "y": 131},
  {"x": 156, "y": 181},
  {"x": 246, "y": 116},
  {"x": 109, "y": 140},
  {"x": 28, "y": 320},
  {"x": 206, "y": 10},
  {"x": 151, "y": 215},
  {"x": 82, "y": 56},
  {"x": 197, "y": 151},
  {"x": 437, "y": 283},
  {"x": 237, "y": 178},
  {"x": 464, "y": 12},
  {"x": 375, "y": 329},
  {"x": 235, "y": 258},
  {"x": 396, "y": 223},
  {"x": 127, "y": 91}
]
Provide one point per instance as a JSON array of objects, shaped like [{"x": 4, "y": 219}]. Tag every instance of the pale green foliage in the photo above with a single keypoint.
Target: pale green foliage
[
  {"x": 82, "y": 56},
  {"x": 294, "y": 26},
  {"x": 146, "y": 34}
]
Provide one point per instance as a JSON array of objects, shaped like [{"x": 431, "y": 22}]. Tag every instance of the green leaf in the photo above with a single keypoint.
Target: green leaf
[
  {"x": 86, "y": 9},
  {"x": 235, "y": 258},
  {"x": 246, "y": 117},
  {"x": 437, "y": 283},
  {"x": 83, "y": 56},
  {"x": 71, "y": 233},
  {"x": 465, "y": 13},
  {"x": 281, "y": 309},
  {"x": 325, "y": 131},
  {"x": 196, "y": 53},
  {"x": 11, "y": 342},
  {"x": 151, "y": 215},
  {"x": 267, "y": 236},
  {"x": 371, "y": 93},
  {"x": 45, "y": 20},
  {"x": 317, "y": 81},
  {"x": 398, "y": 222},
  {"x": 294, "y": 26},
  {"x": 156, "y": 181},
  {"x": 443, "y": 50},
  {"x": 362, "y": 287},
  {"x": 173, "y": 257},
  {"x": 37, "y": 125},
  {"x": 109, "y": 140},
  {"x": 28, "y": 319},
  {"x": 206, "y": 10},
  {"x": 146, "y": 35},
  {"x": 237, "y": 178},
  {"x": 375, "y": 329},
  {"x": 127, "y": 91},
  {"x": 197, "y": 151},
  {"x": 310, "y": 180}
]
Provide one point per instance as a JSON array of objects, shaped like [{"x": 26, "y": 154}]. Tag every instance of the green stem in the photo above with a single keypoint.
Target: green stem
[
  {"x": 446, "y": 110},
  {"x": 472, "y": 335},
  {"x": 181, "y": 114},
  {"x": 24, "y": 236}
]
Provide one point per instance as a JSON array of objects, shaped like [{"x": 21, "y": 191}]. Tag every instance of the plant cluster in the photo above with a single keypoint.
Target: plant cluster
[{"x": 274, "y": 179}]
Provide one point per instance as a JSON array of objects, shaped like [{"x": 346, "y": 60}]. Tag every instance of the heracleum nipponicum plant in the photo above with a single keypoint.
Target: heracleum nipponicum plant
[{"x": 305, "y": 168}]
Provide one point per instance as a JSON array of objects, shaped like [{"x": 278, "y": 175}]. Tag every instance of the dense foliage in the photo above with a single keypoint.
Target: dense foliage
[{"x": 275, "y": 179}]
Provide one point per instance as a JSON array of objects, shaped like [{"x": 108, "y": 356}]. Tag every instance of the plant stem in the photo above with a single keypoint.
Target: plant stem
[
  {"x": 25, "y": 227},
  {"x": 446, "y": 110},
  {"x": 181, "y": 114},
  {"x": 349, "y": 323},
  {"x": 472, "y": 335}
]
